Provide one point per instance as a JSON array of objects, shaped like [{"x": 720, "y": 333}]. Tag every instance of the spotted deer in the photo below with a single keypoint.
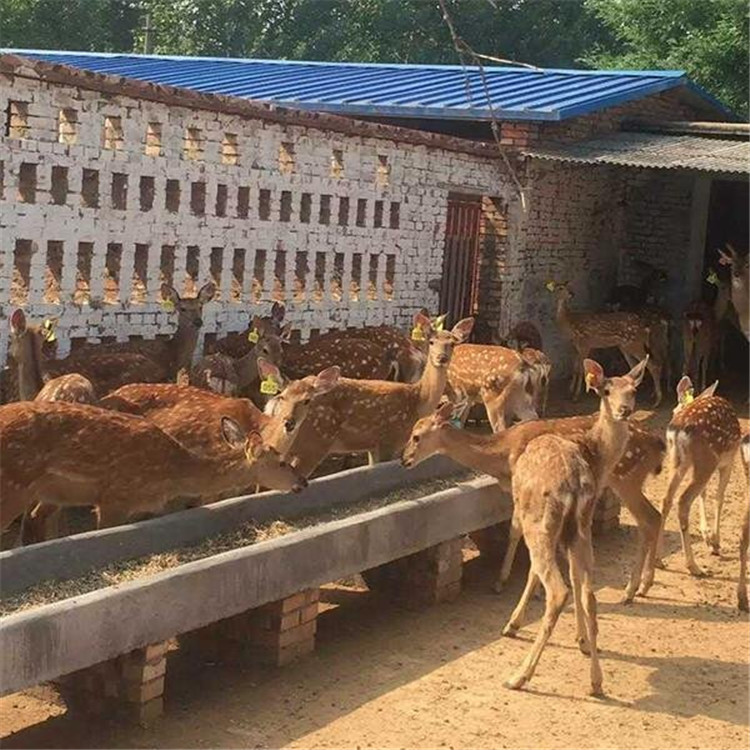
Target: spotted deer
[
  {"x": 699, "y": 341},
  {"x": 740, "y": 285},
  {"x": 497, "y": 454},
  {"x": 105, "y": 371},
  {"x": 745, "y": 534},
  {"x": 628, "y": 332},
  {"x": 374, "y": 416},
  {"x": 239, "y": 344},
  {"x": 73, "y": 388},
  {"x": 704, "y": 435},
  {"x": 60, "y": 454}
]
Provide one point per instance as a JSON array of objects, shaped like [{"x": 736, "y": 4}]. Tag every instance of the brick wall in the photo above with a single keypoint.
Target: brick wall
[{"x": 105, "y": 196}]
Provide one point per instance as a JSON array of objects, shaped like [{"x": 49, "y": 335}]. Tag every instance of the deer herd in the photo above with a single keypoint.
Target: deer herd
[{"x": 146, "y": 426}]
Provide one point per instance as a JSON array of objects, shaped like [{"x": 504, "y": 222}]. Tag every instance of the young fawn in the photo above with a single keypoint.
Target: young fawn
[
  {"x": 699, "y": 341},
  {"x": 374, "y": 416},
  {"x": 237, "y": 345},
  {"x": 60, "y": 454},
  {"x": 704, "y": 436},
  {"x": 496, "y": 455}
]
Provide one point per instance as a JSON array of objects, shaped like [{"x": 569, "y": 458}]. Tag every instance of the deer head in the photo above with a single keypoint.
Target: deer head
[
  {"x": 268, "y": 461},
  {"x": 189, "y": 319},
  {"x": 617, "y": 393},
  {"x": 29, "y": 345},
  {"x": 560, "y": 289},
  {"x": 425, "y": 438},
  {"x": 686, "y": 393},
  {"x": 440, "y": 343}
]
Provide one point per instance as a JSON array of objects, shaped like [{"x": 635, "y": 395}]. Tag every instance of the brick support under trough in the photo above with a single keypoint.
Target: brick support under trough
[
  {"x": 607, "y": 513},
  {"x": 427, "y": 577}
]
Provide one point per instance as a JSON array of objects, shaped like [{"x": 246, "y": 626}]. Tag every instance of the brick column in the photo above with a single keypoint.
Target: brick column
[
  {"x": 427, "y": 577},
  {"x": 491, "y": 542}
]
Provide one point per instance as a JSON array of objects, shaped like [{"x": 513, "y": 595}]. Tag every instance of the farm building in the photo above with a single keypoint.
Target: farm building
[{"x": 357, "y": 194}]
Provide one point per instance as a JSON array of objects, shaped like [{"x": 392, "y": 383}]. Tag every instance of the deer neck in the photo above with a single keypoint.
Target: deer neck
[
  {"x": 610, "y": 437},
  {"x": 479, "y": 452},
  {"x": 30, "y": 368},
  {"x": 181, "y": 347},
  {"x": 562, "y": 314},
  {"x": 431, "y": 387},
  {"x": 247, "y": 368}
]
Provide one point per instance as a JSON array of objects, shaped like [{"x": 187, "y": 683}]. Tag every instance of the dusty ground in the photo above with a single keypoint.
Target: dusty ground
[{"x": 675, "y": 669}]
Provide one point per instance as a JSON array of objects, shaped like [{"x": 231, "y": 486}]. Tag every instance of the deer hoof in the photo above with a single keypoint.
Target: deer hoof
[
  {"x": 498, "y": 586},
  {"x": 597, "y": 691},
  {"x": 742, "y": 601},
  {"x": 659, "y": 563},
  {"x": 516, "y": 682},
  {"x": 696, "y": 571},
  {"x": 584, "y": 646},
  {"x": 510, "y": 630}
]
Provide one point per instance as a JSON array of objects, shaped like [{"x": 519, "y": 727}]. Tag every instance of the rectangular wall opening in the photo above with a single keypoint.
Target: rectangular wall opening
[
  {"x": 377, "y": 219},
  {"x": 59, "y": 186},
  {"x": 320, "y": 277},
  {"x": 243, "y": 202},
  {"x": 238, "y": 274},
  {"x": 355, "y": 283},
  {"x": 337, "y": 163},
  {"x": 230, "y": 153},
  {"x": 286, "y": 157},
  {"x": 192, "y": 260},
  {"x": 361, "y": 211},
  {"x": 300, "y": 275},
  {"x": 192, "y": 147},
  {"x": 27, "y": 183},
  {"x": 221, "y": 200},
  {"x": 324, "y": 216},
  {"x": 172, "y": 196},
  {"x": 67, "y": 126},
  {"x": 82, "y": 293},
  {"x": 90, "y": 188},
  {"x": 139, "y": 289},
  {"x": 372, "y": 278},
  {"x": 17, "y": 119},
  {"x": 198, "y": 198},
  {"x": 305, "y": 208},
  {"x": 166, "y": 264},
  {"x": 383, "y": 170},
  {"x": 21, "y": 280},
  {"x": 216, "y": 263},
  {"x": 259, "y": 272},
  {"x": 53, "y": 272},
  {"x": 390, "y": 276},
  {"x": 113, "y": 136},
  {"x": 343, "y": 212},
  {"x": 112, "y": 268},
  {"x": 279, "y": 275},
  {"x": 337, "y": 284},
  {"x": 395, "y": 215},
  {"x": 119, "y": 191},
  {"x": 285, "y": 211},
  {"x": 147, "y": 193},
  {"x": 264, "y": 204},
  {"x": 152, "y": 145}
]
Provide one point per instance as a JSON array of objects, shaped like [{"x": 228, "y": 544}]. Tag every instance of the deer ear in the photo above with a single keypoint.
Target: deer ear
[
  {"x": 637, "y": 373},
  {"x": 444, "y": 413},
  {"x": 170, "y": 293},
  {"x": 267, "y": 369},
  {"x": 710, "y": 390},
  {"x": 462, "y": 329},
  {"x": 206, "y": 293},
  {"x": 18, "y": 322},
  {"x": 327, "y": 380},
  {"x": 233, "y": 433},
  {"x": 684, "y": 387},
  {"x": 278, "y": 311},
  {"x": 254, "y": 444},
  {"x": 422, "y": 321},
  {"x": 594, "y": 374},
  {"x": 285, "y": 334}
]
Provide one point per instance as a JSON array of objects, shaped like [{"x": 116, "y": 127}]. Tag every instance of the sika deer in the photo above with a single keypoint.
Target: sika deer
[
  {"x": 629, "y": 332},
  {"x": 704, "y": 436},
  {"x": 745, "y": 536},
  {"x": 237, "y": 345},
  {"x": 55, "y": 454},
  {"x": 372, "y": 415},
  {"x": 699, "y": 339},
  {"x": 740, "y": 285},
  {"x": 639, "y": 454}
]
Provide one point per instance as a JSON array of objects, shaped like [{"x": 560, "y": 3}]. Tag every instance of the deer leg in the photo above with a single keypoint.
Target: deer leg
[
  {"x": 514, "y": 537},
  {"x": 744, "y": 543},
  {"x": 544, "y": 562},
  {"x": 574, "y": 568},
  {"x": 666, "y": 505},
  {"x": 34, "y": 523},
  {"x": 703, "y": 510},
  {"x": 111, "y": 515},
  {"x": 655, "y": 369},
  {"x": 725, "y": 474},
  {"x": 519, "y": 613},
  {"x": 696, "y": 486}
]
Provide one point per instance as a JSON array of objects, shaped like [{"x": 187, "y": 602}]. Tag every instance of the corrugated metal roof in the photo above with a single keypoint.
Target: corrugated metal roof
[
  {"x": 390, "y": 90},
  {"x": 654, "y": 151}
]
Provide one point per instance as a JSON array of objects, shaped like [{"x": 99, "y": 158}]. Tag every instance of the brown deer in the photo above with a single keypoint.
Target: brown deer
[
  {"x": 174, "y": 354},
  {"x": 699, "y": 341},
  {"x": 60, "y": 454},
  {"x": 704, "y": 436},
  {"x": 104, "y": 370},
  {"x": 628, "y": 332},
  {"x": 496, "y": 455},
  {"x": 745, "y": 535},
  {"x": 740, "y": 285},
  {"x": 374, "y": 416},
  {"x": 237, "y": 345},
  {"x": 73, "y": 388}
]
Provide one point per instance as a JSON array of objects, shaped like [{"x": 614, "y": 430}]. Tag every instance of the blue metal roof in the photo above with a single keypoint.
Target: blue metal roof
[{"x": 390, "y": 90}]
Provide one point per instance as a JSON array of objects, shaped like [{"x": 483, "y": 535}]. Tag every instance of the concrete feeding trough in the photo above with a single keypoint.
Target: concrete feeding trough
[{"x": 88, "y": 630}]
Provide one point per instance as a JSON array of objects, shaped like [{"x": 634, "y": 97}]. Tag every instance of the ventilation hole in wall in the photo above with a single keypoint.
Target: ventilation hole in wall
[
  {"x": 192, "y": 261},
  {"x": 230, "y": 153},
  {"x": 314, "y": 333},
  {"x": 209, "y": 339},
  {"x": 377, "y": 219},
  {"x": 53, "y": 272},
  {"x": 337, "y": 277},
  {"x": 21, "y": 281},
  {"x": 90, "y": 188},
  {"x": 192, "y": 147},
  {"x": 243, "y": 202},
  {"x": 147, "y": 193},
  {"x": 198, "y": 198},
  {"x": 372, "y": 278},
  {"x": 172, "y": 196},
  {"x": 82, "y": 293},
  {"x": 139, "y": 288},
  {"x": 238, "y": 274},
  {"x": 67, "y": 126},
  {"x": 27, "y": 183},
  {"x": 337, "y": 163},
  {"x": 301, "y": 269},
  {"x": 361, "y": 212},
  {"x": 152, "y": 145},
  {"x": 113, "y": 138},
  {"x": 166, "y": 264},
  {"x": 119, "y": 191},
  {"x": 354, "y": 284},
  {"x": 17, "y": 119},
  {"x": 259, "y": 272},
  {"x": 59, "y": 186},
  {"x": 395, "y": 215},
  {"x": 305, "y": 208},
  {"x": 390, "y": 276},
  {"x": 320, "y": 277},
  {"x": 78, "y": 342},
  {"x": 285, "y": 213},
  {"x": 112, "y": 267},
  {"x": 383, "y": 170},
  {"x": 286, "y": 157},
  {"x": 279, "y": 274},
  {"x": 216, "y": 262},
  {"x": 295, "y": 337},
  {"x": 264, "y": 204},
  {"x": 343, "y": 212},
  {"x": 221, "y": 200},
  {"x": 324, "y": 216}
]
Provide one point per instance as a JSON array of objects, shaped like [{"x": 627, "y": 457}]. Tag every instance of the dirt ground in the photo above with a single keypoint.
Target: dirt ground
[{"x": 675, "y": 670}]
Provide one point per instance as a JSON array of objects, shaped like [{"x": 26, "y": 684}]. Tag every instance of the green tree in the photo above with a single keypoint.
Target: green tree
[{"x": 706, "y": 38}]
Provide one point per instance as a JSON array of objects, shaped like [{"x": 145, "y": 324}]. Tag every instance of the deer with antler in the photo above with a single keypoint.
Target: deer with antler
[
  {"x": 740, "y": 285},
  {"x": 374, "y": 416},
  {"x": 60, "y": 454},
  {"x": 628, "y": 332},
  {"x": 497, "y": 454},
  {"x": 704, "y": 435}
]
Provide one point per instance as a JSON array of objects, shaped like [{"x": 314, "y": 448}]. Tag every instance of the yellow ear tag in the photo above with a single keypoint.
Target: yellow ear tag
[
  {"x": 167, "y": 305},
  {"x": 550, "y": 285},
  {"x": 712, "y": 278},
  {"x": 269, "y": 386},
  {"x": 688, "y": 397},
  {"x": 417, "y": 334},
  {"x": 438, "y": 323},
  {"x": 48, "y": 331},
  {"x": 253, "y": 337}
]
